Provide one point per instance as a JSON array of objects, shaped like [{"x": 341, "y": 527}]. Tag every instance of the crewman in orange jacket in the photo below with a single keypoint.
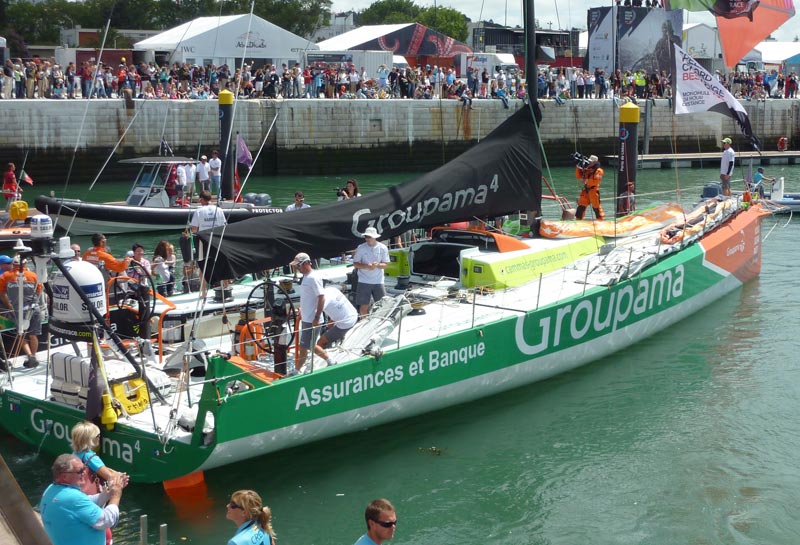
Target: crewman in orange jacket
[
  {"x": 99, "y": 256},
  {"x": 592, "y": 176}
]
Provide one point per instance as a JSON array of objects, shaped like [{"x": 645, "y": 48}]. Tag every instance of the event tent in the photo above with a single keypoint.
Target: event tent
[
  {"x": 226, "y": 40},
  {"x": 407, "y": 39}
]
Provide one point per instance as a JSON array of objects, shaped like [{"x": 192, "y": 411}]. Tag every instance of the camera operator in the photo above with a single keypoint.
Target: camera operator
[
  {"x": 350, "y": 191},
  {"x": 587, "y": 169}
]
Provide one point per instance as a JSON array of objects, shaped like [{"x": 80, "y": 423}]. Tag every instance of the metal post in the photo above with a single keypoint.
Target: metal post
[
  {"x": 143, "y": 530},
  {"x": 162, "y": 535}
]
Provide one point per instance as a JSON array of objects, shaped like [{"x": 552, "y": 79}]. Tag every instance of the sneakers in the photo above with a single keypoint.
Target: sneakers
[
  {"x": 31, "y": 362},
  {"x": 292, "y": 371},
  {"x": 331, "y": 361}
]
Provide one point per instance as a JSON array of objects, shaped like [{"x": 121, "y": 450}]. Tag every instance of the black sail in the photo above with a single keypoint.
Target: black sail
[{"x": 501, "y": 174}]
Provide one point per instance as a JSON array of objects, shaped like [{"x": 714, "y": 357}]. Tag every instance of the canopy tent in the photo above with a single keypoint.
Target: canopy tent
[
  {"x": 407, "y": 39},
  {"x": 776, "y": 52},
  {"x": 223, "y": 40}
]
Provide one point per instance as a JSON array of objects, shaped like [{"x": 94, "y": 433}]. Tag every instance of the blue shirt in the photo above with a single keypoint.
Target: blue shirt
[
  {"x": 68, "y": 515},
  {"x": 90, "y": 459},
  {"x": 250, "y": 533},
  {"x": 365, "y": 540}
]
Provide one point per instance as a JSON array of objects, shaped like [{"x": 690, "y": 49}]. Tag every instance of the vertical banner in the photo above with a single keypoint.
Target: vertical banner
[{"x": 600, "y": 50}]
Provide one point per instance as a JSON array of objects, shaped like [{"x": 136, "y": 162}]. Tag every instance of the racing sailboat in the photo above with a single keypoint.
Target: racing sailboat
[{"x": 471, "y": 313}]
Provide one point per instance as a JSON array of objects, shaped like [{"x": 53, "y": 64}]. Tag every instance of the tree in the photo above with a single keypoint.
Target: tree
[
  {"x": 390, "y": 12},
  {"x": 448, "y": 21}
]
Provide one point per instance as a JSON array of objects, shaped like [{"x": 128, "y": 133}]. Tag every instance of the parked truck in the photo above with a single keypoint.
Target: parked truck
[
  {"x": 370, "y": 60},
  {"x": 493, "y": 62}
]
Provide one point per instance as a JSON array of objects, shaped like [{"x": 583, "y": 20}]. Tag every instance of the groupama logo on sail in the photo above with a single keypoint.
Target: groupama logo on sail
[{"x": 416, "y": 213}]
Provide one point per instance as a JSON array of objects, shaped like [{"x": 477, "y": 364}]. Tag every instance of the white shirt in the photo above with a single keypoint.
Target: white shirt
[
  {"x": 207, "y": 217},
  {"x": 310, "y": 290},
  {"x": 339, "y": 309},
  {"x": 367, "y": 254},
  {"x": 190, "y": 171},
  {"x": 292, "y": 207},
  {"x": 215, "y": 164},
  {"x": 203, "y": 171},
  {"x": 728, "y": 161}
]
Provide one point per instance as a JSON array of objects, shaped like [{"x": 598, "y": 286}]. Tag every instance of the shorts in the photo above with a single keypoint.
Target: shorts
[
  {"x": 335, "y": 333},
  {"x": 34, "y": 321},
  {"x": 308, "y": 334},
  {"x": 365, "y": 291},
  {"x": 726, "y": 184}
]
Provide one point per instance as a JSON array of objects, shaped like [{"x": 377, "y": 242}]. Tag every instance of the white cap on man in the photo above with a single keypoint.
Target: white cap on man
[
  {"x": 300, "y": 258},
  {"x": 371, "y": 232}
]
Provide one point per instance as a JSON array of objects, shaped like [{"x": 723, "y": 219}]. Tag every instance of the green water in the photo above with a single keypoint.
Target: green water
[{"x": 690, "y": 437}]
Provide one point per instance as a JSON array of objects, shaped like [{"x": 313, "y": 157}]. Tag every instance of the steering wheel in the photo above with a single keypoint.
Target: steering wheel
[
  {"x": 141, "y": 290},
  {"x": 276, "y": 305}
]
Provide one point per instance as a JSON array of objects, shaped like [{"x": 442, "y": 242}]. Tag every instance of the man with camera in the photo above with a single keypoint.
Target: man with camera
[{"x": 587, "y": 169}]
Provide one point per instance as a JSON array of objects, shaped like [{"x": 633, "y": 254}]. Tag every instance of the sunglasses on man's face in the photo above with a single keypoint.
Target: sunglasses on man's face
[{"x": 386, "y": 524}]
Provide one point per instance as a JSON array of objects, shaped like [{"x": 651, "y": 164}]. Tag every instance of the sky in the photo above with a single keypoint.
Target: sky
[{"x": 561, "y": 14}]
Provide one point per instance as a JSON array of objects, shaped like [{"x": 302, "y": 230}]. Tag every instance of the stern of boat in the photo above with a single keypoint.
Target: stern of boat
[{"x": 735, "y": 247}]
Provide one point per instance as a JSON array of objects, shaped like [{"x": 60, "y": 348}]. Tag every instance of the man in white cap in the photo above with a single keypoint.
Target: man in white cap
[
  {"x": 370, "y": 259},
  {"x": 203, "y": 174},
  {"x": 312, "y": 303},
  {"x": 726, "y": 166},
  {"x": 592, "y": 176}
]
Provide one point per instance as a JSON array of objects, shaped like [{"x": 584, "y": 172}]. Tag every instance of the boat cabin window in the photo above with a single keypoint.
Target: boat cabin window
[
  {"x": 482, "y": 241},
  {"x": 436, "y": 259}
]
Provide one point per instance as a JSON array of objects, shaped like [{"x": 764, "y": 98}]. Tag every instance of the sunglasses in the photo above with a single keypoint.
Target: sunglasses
[
  {"x": 234, "y": 505},
  {"x": 386, "y": 524}
]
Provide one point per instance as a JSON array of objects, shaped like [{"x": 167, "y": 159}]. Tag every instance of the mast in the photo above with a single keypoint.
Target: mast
[{"x": 531, "y": 72}]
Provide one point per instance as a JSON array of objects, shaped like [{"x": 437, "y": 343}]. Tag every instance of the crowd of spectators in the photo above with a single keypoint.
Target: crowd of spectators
[
  {"x": 47, "y": 79},
  {"x": 576, "y": 83}
]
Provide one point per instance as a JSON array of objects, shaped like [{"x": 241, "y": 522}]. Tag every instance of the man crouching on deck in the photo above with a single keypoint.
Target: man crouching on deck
[{"x": 313, "y": 302}]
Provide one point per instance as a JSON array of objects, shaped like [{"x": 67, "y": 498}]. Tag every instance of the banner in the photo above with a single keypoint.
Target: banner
[
  {"x": 600, "y": 51},
  {"x": 696, "y": 90}
]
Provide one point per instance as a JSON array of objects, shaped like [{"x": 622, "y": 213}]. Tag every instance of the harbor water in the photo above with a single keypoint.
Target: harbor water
[{"x": 689, "y": 437}]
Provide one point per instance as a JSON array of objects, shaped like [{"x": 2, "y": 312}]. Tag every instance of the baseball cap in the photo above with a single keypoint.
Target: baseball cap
[
  {"x": 727, "y": 141},
  {"x": 371, "y": 232},
  {"x": 204, "y": 158},
  {"x": 300, "y": 258},
  {"x": 5, "y": 260},
  {"x": 760, "y": 169},
  {"x": 593, "y": 158}
]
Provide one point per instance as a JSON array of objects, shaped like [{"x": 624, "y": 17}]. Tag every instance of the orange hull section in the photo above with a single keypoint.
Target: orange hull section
[{"x": 735, "y": 247}]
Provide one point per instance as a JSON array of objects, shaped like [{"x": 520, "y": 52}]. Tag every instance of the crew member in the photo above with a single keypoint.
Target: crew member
[
  {"x": 592, "y": 177},
  {"x": 31, "y": 314},
  {"x": 342, "y": 316},
  {"x": 98, "y": 256},
  {"x": 758, "y": 182},
  {"x": 370, "y": 259},
  {"x": 312, "y": 303},
  {"x": 206, "y": 217},
  {"x": 726, "y": 166}
]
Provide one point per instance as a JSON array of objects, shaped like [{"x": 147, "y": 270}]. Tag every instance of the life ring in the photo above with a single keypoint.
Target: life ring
[
  {"x": 246, "y": 335},
  {"x": 783, "y": 143}
]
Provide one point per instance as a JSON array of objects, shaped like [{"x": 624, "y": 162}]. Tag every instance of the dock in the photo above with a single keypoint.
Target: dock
[
  {"x": 700, "y": 160},
  {"x": 19, "y": 523}
]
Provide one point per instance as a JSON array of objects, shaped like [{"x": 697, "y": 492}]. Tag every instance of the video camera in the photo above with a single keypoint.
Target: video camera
[{"x": 581, "y": 161}]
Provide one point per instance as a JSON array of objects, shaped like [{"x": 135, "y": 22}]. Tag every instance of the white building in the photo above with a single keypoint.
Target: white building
[{"x": 226, "y": 40}]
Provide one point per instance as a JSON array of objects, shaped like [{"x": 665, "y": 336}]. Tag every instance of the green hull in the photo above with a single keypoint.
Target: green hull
[{"x": 482, "y": 359}]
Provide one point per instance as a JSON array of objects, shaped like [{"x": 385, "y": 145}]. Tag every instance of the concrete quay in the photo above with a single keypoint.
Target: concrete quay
[{"x": 315, "y": 136}]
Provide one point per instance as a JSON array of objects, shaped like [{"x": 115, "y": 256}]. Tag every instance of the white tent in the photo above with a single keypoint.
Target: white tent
[{"x": 225, "y": 40}]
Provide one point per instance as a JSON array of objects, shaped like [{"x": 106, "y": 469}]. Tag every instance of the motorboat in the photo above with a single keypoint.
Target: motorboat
[{"x": 147, "y": 206}]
